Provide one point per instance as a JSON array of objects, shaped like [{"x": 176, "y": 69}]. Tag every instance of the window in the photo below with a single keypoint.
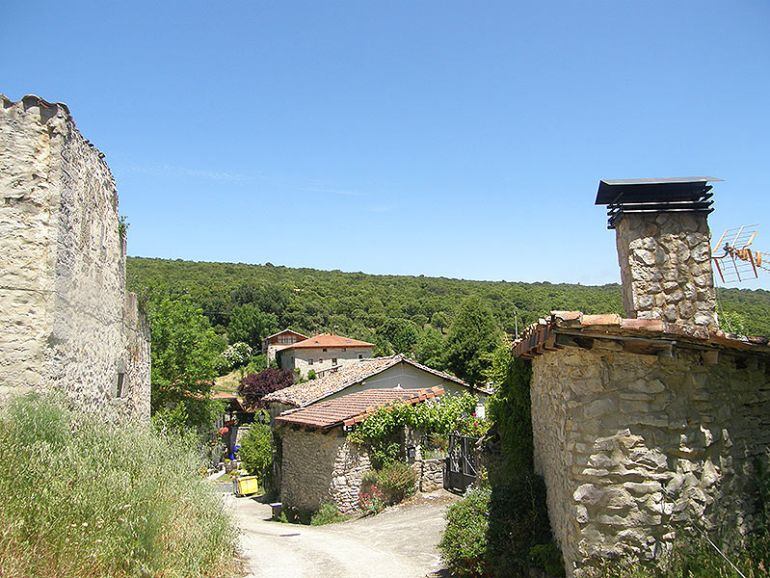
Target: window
[
  {"x": 360, "y": 356},
  {"x": 310, "y": 361},
  {"x": 324, "y": 350},
  {"x": 320, "y": 360},
  {"x": 121, "y": 381},
  {"x": 334, "y": 361}
]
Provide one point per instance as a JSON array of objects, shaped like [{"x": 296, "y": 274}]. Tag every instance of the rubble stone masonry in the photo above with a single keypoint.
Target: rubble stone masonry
[
  {"x": 665, "y": 267},
  {"x": 66, "y": 321},
  {"x": 633, "y": 446},
  {"x": 321, "y": 467}
]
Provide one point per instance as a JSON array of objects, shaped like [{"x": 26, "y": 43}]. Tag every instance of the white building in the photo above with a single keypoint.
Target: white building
[
  {"x": 391, "y": 372},
  {"x": 276, "y": 341},
  {"x": 322, "y": 353}
]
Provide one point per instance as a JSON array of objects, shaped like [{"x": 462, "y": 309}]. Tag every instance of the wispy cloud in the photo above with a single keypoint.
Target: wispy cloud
[
  {"x": 380, "y": 209},
  {"x": 171, "y": 170},
  {"x": 332, "y": 191},
  {"x": 294, "y": 184}
]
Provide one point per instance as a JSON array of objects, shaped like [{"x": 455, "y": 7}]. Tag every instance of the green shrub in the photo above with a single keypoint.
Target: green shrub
[
  {"x": 327, "y": 514},
  {"x": 86, "y": 498},
  {"x": 518, "y": 522},
  {"x": 311, "y": 375},
  {"x": 548, "y": 558},
  {"x": 256, "y": 453},
  {"x": 464, "y": 543},
  {"x": 397, "y": 481}
]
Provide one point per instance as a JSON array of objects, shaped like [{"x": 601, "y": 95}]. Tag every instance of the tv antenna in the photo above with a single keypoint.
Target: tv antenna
[{"x": 734, "y": 258}]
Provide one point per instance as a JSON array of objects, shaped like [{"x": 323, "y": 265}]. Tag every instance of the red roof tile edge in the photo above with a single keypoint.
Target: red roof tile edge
[
  {"x": 541, "y": 336},
  {"x": 327, "y": 340},
  {"x": 290, "y": 417}
]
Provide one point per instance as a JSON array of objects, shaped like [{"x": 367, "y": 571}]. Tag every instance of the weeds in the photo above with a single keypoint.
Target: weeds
[{"x": 83, "y": 498}]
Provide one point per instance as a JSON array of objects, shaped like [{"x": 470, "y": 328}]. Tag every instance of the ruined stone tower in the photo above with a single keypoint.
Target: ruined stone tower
[
  {"x": 664, "y": 247},
  {"x": 66, "y": 321}
]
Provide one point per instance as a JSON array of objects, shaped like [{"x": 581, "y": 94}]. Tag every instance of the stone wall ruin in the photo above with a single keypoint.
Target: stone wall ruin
[{"x": 67, "y": 321}]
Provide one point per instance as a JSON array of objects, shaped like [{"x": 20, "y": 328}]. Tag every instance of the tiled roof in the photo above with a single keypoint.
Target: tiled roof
[
  {"x": 286, "y": 331},
  {"x": 353, "y": 408},
  {"x": 327, "y": 340},
  {"x": 541, "y": 336},
  {"x": 303, "y": 394}
]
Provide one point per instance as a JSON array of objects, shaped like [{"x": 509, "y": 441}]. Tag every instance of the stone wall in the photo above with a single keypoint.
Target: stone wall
[
  {"x": 430, "y": 474},
  {"x": 67, "y": 322},
  {"x": 634, "y": 446},
  {"x": 665, "y": 267},
  {"x": 321, "y": 467}
]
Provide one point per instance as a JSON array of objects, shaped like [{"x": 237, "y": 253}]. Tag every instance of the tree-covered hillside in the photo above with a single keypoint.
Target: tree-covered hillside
[{"x": 399, "y": 313}]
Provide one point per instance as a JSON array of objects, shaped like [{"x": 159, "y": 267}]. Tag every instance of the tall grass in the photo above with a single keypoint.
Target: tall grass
[{"x": 79, "y": 497}]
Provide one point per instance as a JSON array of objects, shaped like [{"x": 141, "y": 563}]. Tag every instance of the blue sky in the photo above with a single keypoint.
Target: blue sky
[{"x": 463, "y": 139}]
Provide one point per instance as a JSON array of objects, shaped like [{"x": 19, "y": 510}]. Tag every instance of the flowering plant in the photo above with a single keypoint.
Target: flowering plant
[
  {"x": 473, "y": 426},
  {"x": 372, "y": 501}
]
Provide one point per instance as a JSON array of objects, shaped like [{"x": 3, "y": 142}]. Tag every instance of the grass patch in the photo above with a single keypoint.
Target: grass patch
[
  {"x": 327, "y": 514},
  {"x": 228, "y": 383},
  {"x": 84, "y": 498}
]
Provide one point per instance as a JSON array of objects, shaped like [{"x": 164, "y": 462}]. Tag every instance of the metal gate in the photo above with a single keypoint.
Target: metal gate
[{"x": 462, "y": 463}]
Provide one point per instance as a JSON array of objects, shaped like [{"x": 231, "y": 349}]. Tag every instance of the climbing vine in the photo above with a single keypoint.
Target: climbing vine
[{"x": 450, "y": 413}]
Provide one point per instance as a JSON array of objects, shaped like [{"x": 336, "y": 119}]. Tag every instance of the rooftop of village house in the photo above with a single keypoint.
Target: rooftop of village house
[
  {"x": 303, "y": 394},
  {"x": 287, "y": 331},
  {"x": 327, "y": 340},
  {"x": 351, "y": 409},
  {"x": 639, "y": 335}
]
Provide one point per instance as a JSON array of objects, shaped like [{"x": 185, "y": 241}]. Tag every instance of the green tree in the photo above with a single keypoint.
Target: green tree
[
  {"x": 472, "y": 338},
  {"x": 400, "y": 333},
  {"x": 429, "y": 348},
  {"x": 257, "y": 451},
  {"x": 251, "y": 325},
  {"x": 185, "y": 356}
]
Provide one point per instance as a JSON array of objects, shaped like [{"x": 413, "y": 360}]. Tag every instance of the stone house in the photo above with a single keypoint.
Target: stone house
[
  {"x": 650, "y": 423},
  {"x": 321, "y": 353},
  {"x": 66, "y": 319},
  {"x": 276, "y": 341},
  {"x": 319, "y": 464},
  {"x": 367, "y": 374}
]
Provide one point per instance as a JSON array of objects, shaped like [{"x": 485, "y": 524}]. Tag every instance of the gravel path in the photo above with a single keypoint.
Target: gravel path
[{"x": 399, "y": 542}]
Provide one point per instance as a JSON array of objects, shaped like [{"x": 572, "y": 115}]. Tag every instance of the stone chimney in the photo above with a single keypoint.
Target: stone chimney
[{"x": 664, "y": 247}]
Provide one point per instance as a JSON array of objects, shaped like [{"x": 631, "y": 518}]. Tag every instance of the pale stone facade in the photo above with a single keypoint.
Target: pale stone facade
[
  {"x": 665, "y": 267},
  {"x": 321, "y": 467},
  {"x": 321, "y": 360},
  {"x": 632, "y": 446},
  {"x": 66, "y": 321}
]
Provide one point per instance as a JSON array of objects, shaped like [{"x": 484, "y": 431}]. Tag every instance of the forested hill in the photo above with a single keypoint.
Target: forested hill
[{"x": 374, "y": 307}]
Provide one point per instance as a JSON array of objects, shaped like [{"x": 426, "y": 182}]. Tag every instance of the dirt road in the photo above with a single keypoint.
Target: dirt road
[{"x": 399, "y": 542}]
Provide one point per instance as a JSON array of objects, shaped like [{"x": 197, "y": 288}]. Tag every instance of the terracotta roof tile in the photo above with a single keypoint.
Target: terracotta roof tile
[
  {"x": 304, "y": 394},
  {"x": 541, "y": 336},
  {"x": 353, "y": 408},
  {"x": 327, "y": 340}
]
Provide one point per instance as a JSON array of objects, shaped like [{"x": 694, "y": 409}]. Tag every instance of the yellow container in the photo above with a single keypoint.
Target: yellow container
[{"x": 246, "y": 485}]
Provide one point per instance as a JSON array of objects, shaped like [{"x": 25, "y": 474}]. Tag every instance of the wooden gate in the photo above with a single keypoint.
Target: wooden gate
[{"x": 462, "y": 463}]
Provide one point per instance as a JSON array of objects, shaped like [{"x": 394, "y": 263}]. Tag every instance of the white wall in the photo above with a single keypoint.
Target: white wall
[
  {"x": 407, "y": 377},
  {"x": 307, "y": 359}
]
